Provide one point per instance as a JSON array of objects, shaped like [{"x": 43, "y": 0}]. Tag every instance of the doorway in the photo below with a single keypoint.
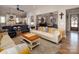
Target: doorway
[{"x": 74, "y": 22}]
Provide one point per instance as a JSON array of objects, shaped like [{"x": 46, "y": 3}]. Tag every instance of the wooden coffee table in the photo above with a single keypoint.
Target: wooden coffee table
[{"x": 31, "y": 38}]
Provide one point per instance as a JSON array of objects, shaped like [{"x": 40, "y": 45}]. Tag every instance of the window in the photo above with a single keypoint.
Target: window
[
  {"x": 2, "y": 19},
  {"x": 17, "y": 20}
]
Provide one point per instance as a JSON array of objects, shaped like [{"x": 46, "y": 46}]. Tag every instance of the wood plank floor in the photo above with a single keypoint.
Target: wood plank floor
[{"x": 70, "y": 45}]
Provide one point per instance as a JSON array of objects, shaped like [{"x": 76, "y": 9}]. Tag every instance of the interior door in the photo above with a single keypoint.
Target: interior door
[{"x": 74, "y": 22}]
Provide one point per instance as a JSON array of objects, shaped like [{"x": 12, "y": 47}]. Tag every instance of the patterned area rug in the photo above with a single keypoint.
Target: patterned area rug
[{"x": 45, "y": 47}]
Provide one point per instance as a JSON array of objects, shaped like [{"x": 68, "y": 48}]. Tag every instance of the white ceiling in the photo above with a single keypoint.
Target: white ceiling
[
  {"x": 29, "y": 8},
  {"x": 4, "y": 9},
  {"x": 26, "y": 8}
]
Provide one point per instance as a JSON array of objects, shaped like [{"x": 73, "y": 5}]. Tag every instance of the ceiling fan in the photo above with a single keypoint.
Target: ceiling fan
[{"x": 19, "y": 9}]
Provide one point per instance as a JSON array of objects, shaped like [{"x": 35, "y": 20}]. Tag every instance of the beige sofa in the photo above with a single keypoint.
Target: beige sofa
[
  {"x": 17, "y": 49},
  {"x": 7, "y": 42},
  {"x": 8, "y": 46},
  {"x": 55, "y": 36}
]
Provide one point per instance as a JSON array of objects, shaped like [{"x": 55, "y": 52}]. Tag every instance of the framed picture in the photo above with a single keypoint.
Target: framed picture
[
  {"x": 50, "y": 18},
  {"x": 11, "y": 19}
]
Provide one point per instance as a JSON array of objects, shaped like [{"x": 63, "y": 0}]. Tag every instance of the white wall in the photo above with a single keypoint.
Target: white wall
[{"x": 51, "y": 8}]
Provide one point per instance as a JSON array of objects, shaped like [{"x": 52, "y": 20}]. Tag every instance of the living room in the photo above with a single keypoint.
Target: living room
[{"x": 36, "y": 29}]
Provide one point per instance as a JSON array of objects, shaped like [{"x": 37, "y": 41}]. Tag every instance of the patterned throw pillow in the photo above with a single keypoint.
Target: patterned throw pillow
[{"x": 23, "y": 49}]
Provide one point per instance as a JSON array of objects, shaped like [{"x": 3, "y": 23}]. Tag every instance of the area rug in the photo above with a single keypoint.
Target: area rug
[{"x": 45, "y": 47}]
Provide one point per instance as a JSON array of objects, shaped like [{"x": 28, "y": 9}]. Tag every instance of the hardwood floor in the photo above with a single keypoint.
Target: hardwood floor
[{"x": 70, "y": 45}]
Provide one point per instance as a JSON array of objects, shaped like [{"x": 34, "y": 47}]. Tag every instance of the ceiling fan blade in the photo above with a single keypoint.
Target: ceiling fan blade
[{"x": 21, "y": 10}]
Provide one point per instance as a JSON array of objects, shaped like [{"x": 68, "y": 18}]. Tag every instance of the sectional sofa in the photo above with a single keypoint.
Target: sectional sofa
[{"x": 51, "y": 34}]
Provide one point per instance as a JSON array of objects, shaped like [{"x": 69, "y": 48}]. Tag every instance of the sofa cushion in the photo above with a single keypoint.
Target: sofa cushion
[
  {"x": 54, "y": 37},
  {"x": 7, "y": 42}
]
